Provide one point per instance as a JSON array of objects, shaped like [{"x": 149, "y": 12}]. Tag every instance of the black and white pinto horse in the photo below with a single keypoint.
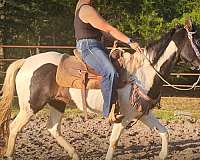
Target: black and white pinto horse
[{"x": 35, "y": 84}]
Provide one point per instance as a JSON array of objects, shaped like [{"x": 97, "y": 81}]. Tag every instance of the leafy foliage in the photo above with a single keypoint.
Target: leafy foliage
[{"x": 50, "y": 22}]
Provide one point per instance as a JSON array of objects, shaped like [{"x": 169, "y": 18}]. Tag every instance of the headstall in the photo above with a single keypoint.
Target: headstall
[{"x": 190, "y": 36}]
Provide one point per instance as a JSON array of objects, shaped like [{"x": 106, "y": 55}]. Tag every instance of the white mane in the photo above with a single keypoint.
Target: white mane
[{"x": 133, "y": 61}]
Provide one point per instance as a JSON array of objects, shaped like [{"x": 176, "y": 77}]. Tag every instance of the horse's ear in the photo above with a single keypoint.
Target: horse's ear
[{"x": 188, "y": 24}]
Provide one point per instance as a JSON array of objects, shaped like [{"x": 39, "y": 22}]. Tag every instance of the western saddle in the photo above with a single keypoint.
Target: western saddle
[{"x": 72, "y": 72}]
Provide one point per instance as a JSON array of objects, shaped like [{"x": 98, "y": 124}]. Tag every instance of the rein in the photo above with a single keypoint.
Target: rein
[
  {"x": 157, "y": 72},
  {"x": 161, "y": 77},
  {"x": 165, "y": 81}
]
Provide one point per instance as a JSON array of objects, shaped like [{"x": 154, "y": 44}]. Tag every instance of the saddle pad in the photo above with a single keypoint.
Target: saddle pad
[{"x": 69, "y": 74}]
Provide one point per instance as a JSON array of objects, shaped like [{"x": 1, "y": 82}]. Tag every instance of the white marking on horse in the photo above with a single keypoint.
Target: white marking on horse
[
  {"x": 94, "y": 99},
  {"x": 145, "y": 75}
]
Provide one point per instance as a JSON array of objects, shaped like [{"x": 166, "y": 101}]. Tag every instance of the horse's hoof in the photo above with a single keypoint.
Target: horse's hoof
[{"x": 8, "y": 158}]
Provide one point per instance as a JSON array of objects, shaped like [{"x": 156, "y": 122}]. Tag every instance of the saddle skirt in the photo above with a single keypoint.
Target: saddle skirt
[
  {"x": 72, "y": 72},
  {"x": 141, "y": 101}
]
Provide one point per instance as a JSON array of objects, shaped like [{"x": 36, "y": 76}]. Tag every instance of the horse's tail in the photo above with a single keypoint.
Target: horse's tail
[{"x": 6, "y": 100}]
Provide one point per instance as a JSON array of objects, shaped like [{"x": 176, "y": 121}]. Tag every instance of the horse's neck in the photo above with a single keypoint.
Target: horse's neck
[{"x": 146, "y": 76}]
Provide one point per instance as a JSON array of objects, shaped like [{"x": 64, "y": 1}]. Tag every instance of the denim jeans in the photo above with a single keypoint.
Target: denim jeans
[{"x": 94, "y": 54}]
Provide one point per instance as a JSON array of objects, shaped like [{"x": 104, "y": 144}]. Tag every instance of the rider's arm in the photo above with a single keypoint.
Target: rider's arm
[{"x": 89, "y": 15}]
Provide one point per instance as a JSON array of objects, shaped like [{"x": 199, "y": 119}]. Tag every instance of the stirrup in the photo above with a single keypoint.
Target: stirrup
[{"x": 115, "y": 116}]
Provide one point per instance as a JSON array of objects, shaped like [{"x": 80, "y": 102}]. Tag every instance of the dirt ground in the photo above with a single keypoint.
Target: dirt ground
[{"x": 91, "y": 140}]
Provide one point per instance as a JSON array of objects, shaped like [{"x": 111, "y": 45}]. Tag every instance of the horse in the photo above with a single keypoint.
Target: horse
[{"x": 35, "y": 81}]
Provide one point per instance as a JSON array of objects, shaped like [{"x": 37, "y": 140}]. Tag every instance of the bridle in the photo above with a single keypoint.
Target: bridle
[{"x": 190, "y": 37}]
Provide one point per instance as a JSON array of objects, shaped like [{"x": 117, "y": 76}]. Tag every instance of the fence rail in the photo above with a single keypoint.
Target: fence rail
[
  {"x": 45, "y": 47},
  {"x": 36, "y": 46}
]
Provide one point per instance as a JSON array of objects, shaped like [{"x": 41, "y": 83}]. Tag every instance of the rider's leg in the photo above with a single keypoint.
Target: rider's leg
[{"x": 93, "y": 53}]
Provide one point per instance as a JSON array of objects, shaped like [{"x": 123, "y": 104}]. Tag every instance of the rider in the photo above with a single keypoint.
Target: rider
[{"x": 88, "y": 25}]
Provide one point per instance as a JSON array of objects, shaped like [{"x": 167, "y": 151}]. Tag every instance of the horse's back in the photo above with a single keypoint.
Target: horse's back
[{"x": 41, "y": 59}]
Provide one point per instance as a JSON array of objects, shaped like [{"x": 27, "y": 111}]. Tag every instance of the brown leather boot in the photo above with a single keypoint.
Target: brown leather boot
[{"x": 115, "y": 116}]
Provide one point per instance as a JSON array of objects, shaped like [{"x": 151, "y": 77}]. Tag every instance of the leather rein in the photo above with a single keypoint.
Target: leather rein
[{"x": 190, "y": 37}]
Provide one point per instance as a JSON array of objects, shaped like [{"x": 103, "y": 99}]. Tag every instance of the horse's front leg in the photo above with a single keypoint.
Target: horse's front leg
[
  {"x": 117, "y": 131},
  {"x": 152, "y": 122},
  {"x": 115, "y": 135}
]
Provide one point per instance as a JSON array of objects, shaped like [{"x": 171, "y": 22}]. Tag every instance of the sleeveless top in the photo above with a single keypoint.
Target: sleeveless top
[{"x": 85, "y": 30}]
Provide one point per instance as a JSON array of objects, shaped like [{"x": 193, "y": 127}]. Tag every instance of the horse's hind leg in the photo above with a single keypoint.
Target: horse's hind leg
[
  {"x": 152, "y": 122},
  {"x": 15, "y": 127},
  {"x": 53, "y": 125}
]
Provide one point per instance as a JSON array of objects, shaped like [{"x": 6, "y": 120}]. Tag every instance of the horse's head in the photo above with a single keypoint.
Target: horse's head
[{"x": 189, "y": 50}]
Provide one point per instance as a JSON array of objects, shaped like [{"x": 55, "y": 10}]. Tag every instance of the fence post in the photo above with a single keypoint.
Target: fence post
[
  {"x": 2, "y": 17},
  {"x": 37, "y": 49},
  {"x": 1, "y": 51}
]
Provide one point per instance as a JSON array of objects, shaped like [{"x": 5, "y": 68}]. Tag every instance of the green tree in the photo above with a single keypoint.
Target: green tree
[{"x": 50, "y": 22}]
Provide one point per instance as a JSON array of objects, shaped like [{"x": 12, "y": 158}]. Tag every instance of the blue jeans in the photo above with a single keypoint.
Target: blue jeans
[{"x": 94, "y": 54}]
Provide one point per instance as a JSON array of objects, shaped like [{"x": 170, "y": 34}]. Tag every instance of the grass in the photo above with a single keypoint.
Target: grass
[
  {"x": 169, "y": 106},
  {"x": 165, "y": 114}
]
